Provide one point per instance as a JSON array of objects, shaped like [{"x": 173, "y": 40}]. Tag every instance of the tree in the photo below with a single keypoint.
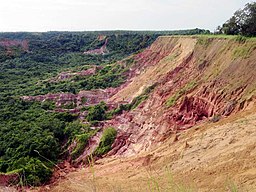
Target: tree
[
  {"x": 243, "y": 22},
  {"x": 248, "y": 25},
  {"x": 231, "y": 27}
]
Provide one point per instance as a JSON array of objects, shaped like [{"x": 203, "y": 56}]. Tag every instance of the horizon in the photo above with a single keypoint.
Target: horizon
[
  {"x": 114, "y": 15},
  {"x": 108, "y": 30}
]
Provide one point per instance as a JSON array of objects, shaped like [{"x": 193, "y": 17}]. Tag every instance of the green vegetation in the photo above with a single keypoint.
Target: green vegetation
[
  {"x": 203, "y": 40},
  {"x": 174, "y": 98},
  {"x": 26, "y": 131},
  {"x": 97, "y": 112},
  {"x": 243, "y": 51},
  {"x": 241, "y": 39},
  {"x": 232, "y": 187},
  {"x": 139, "y": 99},
  {"x": 107, "y": 139},
  {"x": 242, "y": 22},
  {"x": 155, "y": 182},
  {"x": 82, "y": 141},
  {"x": 135, "y": 102},
  {"x": 70, "y": 105}
]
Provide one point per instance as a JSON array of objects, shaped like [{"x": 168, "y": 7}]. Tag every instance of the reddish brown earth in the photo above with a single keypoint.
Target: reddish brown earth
[
  {"x": 209, "y": 157},
  {"x": 91, "y": 97},
  {"x": 218, "y": 82},
  {"x": 12, "y": 43},
  {"x": 9, "y": 44},
  {"x": 212, "y": 95},
  {"x": 7, "y": 179},
  {"x": 68, "y": 75}
]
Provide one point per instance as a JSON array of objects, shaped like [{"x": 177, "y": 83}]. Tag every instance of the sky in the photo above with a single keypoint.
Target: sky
[{"x": 84, "y": 15}]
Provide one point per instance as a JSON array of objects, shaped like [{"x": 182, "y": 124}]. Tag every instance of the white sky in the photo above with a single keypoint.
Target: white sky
[{"x": 81, "y": 15}]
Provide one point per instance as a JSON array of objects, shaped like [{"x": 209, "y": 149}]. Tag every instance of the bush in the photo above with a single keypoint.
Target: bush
[
  {"x": 97, "y": 112},
  {"x": 82, "y": 141},
  {"x": 135, "y": 102},
  {"x": 32, "y": 171},
  {"x": 107, "y": 139}
]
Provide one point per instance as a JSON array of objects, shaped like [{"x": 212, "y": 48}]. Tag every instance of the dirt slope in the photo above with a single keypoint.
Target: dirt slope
[
  {"x": 198, "y": 79},
  {"x": 155, "y": 63}
]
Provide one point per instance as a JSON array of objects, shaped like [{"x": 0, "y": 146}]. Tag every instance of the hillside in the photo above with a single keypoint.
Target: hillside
[
  {"x": 34, "y": 135},
  {"x": 182, "y": 108},
  {"x": 195, "y": 123}
]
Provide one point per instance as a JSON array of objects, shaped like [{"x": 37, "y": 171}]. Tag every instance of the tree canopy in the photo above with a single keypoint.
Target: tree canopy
[{"x": 243, "y": 22}]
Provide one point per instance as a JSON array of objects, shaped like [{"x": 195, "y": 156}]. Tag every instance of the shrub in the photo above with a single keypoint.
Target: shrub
[
  {"x": 48, "y": 105},
  {"x": 97, "y": 112},
  {"x": 107, "y": 139},
  {"x": 32, "y": 171},
  {"x": 135, "y": 102},
  {"x": 82, "y": 141}
]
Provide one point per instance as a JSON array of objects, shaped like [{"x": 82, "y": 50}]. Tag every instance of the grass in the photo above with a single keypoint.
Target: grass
[
  {"x": 243, "y": 51},
  {"x": 155, "y": 183},
  {"x": 203, "y": 41},
  {"x": 223, "y": 36},
  {"x": 231, "y": 186},
  {"x": 170, "y": 58},
  {"x": 134, "y": 104},
  {"x": 138, "y": 100},
  {"x": 217, "y": 36}
]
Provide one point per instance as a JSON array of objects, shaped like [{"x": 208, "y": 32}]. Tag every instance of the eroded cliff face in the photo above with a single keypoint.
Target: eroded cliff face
[
  {"x": 196, "y": 79},
  {"x": 199, "y": 79}
]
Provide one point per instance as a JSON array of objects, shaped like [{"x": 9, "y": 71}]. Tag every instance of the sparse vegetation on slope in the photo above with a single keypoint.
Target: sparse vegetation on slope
[
  {"x": 81, "y": 142},
  {"x": 106, "y": 141},
  {"x": 135, "y": 102},
  {"x": 173, "y": 99},
  {"x": 29, "y": 133}
]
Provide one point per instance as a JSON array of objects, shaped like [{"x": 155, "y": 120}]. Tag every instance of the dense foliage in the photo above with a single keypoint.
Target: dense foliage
[
  {"x": 29, "y": 136},
  {"x": 108, "y": 76},
  {"x": 243, "y": 22},
  {"x": 97, "y": 112}
]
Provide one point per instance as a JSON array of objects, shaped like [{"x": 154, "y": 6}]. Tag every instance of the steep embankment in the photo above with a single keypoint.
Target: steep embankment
[
  {"x": 197, "y": 79},
  {"x": 192, "y": 82}
]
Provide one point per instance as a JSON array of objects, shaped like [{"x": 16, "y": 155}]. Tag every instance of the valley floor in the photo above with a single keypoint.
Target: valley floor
[{"x": 211, "y": 157}]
